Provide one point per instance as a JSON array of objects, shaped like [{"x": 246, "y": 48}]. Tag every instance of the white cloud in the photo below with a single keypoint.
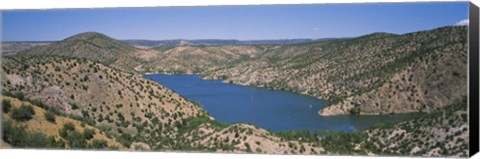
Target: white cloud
[
  {"x": 316, "y": 29},
  {"x": 462, "y": 22}
]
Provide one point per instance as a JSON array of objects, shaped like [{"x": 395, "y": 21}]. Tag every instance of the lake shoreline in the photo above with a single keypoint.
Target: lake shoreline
[
  {"x": 300, "y": 93},
  {"x": 284, "y": 110}
]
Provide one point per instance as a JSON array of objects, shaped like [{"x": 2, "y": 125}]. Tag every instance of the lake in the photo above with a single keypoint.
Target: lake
[{"x": 270, "y": 109}]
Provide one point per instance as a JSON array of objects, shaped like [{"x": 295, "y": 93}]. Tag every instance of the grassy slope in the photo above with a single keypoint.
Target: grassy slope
[{"x": 39, "y": 124}]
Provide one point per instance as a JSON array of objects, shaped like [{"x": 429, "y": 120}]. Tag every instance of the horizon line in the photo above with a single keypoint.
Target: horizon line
[{"x": 39, "y": 41}]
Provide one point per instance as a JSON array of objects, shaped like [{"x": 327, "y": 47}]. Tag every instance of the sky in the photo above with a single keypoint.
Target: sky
[{"x": 233, "y": 22}]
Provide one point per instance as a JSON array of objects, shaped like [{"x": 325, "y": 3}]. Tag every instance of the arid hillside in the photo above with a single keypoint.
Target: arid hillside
[
  {"x": 15, "y": 47},
  {"x": 93, "y": 80},
  {"x": 95, "y": 47},
  {"x": 378, "y": 73},
  {"x": 198, "y": 59},
  {"x": 440, "y": 133},
  {"x": 137, "y": 113},
  {"x": 113, "y": 100}
]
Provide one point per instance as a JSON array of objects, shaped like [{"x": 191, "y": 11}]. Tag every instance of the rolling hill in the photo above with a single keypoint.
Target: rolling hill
[
  {"x": 95, "y": 47},
  {"x": 137, "y": 113},
  {"x": 379, "y": 73},
  {"x": 93, "y": 79},
  {"x": 15, "y": 47},
  {"x": 215, "y": 42}
]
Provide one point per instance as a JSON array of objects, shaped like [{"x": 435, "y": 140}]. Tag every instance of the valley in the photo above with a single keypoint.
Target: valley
[
  {"x": 374, "y": 74},
  {"x": 273, "y": 110},
  {"x": 96, "y": 81},
  {"x": 141, "y": 115}
]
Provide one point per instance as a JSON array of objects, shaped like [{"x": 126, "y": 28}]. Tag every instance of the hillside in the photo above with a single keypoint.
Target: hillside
[
  {"x": 378, "y": 73},
  {"x": 39, "y": 132},
  {"x": 78, "y": 87},
  {"x": 214, "y": 42},
  {"x": 440, "y": 133},
  {"x": 15, "y": 47},
  {"x": 95, "y": 47},
  {"x": 138, "y": 113},
  {"x": 197, "y": 59},
  {"x": 92, "y": 79}
]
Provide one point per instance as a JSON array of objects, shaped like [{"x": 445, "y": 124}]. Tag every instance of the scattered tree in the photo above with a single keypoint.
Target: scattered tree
[
  {"x": 23, "y": 113},
  {"x": 50, "y": 116},
  {"x": 6, "y": 106}
]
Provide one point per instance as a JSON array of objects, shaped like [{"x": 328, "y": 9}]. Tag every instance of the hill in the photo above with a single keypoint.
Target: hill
[
  {"x": 217, "y": 42},
  {"x": 373, "y": 74},
  {"x": 196, "y": 59},
  {"x": 79, "y": 87},
  {"x": 379, "y": 73},
  {"x": 95, "y": 47},
  {"x": 441, "y": 133},
  {"x": 15, "y": 47},
  {"x": 93, "y": 79},
  {"x": 138, "y": 113}
]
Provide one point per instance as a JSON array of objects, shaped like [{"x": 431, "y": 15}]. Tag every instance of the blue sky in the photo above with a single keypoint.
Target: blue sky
[{"x": 232, "y": 22}]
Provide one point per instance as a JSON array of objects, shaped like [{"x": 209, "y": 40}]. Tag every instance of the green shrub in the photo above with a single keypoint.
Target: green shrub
[
  {"x": 23, "y": 113},
  {"x": 355, "y": 111},
  {"x": 248, "y": 149},
  {"x": 38, "y": 140},
  {"x": 50, "y": 116},
  {"x": 125, "y": 140},
  {"x": 19, "y": 95},
  {"x": 12, "y": 134},
  {"x": 17, "y": 136},
  {"x": 99, "y": 144},
  {"x": 67, "y": 127},
  {"x": 88, "y": 133},
  {"x": 74, "y": 106},
  {"x": 6, "y": 106},
  {"x": 73, "y": 138},
  {"x": 341, "y": 142},
  {"x": 38, "y": 103},
  {"x": 76, "y": 140},
  {"x": 119, "y": 105}
]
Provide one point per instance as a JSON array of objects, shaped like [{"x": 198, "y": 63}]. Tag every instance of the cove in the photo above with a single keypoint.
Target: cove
[{"x": 270, "y": 109}]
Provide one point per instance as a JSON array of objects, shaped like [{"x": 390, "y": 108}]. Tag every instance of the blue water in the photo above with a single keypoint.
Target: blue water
[{"x": 271, "y": 109}]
